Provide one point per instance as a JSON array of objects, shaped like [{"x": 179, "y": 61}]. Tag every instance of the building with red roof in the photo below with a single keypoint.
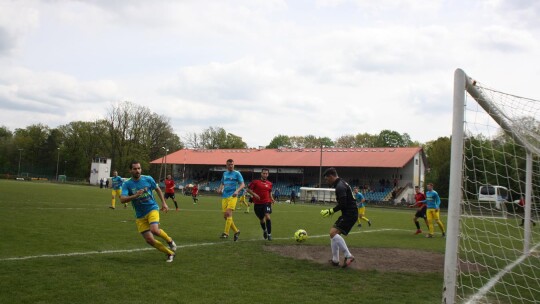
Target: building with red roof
[{"x": 404, "y": 167}]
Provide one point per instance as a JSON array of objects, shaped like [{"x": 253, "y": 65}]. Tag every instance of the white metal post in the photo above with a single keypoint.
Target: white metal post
[
  {"x": 454, "y": 195},
  {"x": 528, "y": 196}
]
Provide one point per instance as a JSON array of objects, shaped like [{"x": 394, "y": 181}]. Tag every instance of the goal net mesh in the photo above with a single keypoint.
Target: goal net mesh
[{"x": 494, "y": 265}]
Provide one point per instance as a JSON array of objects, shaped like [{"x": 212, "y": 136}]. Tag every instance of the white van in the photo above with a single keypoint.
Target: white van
[{"x": 497, "y": 194}]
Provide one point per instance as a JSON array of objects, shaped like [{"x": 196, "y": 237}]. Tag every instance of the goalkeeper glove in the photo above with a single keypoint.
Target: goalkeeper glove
[{"x": 327, "y": 212}]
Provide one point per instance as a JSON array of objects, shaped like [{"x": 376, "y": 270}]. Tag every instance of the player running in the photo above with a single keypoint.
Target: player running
[
  {"x": 231, "y": 183},
  {"x": 116, "y": 189},
  {"x": 361, "y": 205},
  {"x": 169, "y": 190},
  {"x": 349, "y": 216},
  {"x": 261, "y": 192},
  {"x": 138, "y": 191},
  {"x": 419, "y": 198},
  {"x": 242, "y": 199},
  {"x": 195, "y": 193}
]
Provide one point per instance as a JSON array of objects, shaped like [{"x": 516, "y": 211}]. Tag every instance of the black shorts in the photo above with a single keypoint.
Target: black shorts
[
  {"x": 262, "y": 209},
  {"x": 167, "y": 195},
  {"x": 345, "y": 224},
  {"x": 421, "y": 213}
]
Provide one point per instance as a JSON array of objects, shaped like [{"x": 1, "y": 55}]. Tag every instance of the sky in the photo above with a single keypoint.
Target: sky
[{"x": 259, "y": 68}]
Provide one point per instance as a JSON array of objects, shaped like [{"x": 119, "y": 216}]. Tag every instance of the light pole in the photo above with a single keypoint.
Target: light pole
[
  {"x": 19, "y": 170},
  {"x": 57, "y": 162},
  {"x": 320, "y": 165},
  {"x": 65, "y": 165},
  {"x": 164, "y": 162}
]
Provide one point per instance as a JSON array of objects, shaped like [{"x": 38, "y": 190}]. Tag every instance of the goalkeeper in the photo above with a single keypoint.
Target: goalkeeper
[{"x": 349, "y": 215}]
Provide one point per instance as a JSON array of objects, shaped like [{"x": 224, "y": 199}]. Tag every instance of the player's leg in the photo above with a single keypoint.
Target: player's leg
[
  {"x": 268, "y": 221},
  {"x": 417, "y": 223},
  {"x": 363, "y": 216},
  {"x": 343, "y": 226},
  {"x": 144, "y": 227},
  {"x": 173, "y": 197},
  {"x": 430, "y": 217},
  {"x": 439, "y": 222},
  {"x": 259, "y": 213},
  {"x": 153, "y": 219},
  {"x": 113, "y": 200}
]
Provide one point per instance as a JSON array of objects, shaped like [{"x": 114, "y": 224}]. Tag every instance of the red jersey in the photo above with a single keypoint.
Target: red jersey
[
  {"x": 169, "y": 186},
  {"x": 263, "y": 190},
  {"x": 194, "y": 190},
  {"x": 419, "y": 197}
]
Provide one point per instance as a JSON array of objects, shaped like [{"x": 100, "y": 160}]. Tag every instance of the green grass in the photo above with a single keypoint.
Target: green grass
[{"x": 42, "y": 223}]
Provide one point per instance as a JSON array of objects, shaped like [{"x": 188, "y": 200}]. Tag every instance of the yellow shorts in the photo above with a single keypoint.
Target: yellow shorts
[
  {"x": 228, "y": 203},
  {"x": 432, "y": 214},
  {"x": 116, "y": 193},
  {"x": 362, "y": 211},
  {"x": 143, "y": 223}
]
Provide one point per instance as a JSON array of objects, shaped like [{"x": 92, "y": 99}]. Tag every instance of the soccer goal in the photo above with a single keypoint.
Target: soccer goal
[{"x": 492, "y": 248}]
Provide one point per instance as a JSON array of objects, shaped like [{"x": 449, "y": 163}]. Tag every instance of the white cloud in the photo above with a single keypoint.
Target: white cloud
[{"x": 261, "y": 68}]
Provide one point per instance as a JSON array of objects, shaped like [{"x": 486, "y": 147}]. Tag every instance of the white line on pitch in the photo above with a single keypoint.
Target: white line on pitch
[{"x": 179, "y": 246}]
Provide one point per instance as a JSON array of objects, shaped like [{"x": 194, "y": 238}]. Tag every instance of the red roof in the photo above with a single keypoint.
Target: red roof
[{"x": 331, "y": 157}]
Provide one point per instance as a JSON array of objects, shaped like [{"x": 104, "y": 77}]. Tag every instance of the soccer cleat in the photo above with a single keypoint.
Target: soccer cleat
[
  {"x": 172, "y": 245},
  {"x": 369, "y": 223},
  {"x": 418, "y": 231},
  {"x": 224, "y": 236},
  {"x": 269, "y": 237},
  {"x": 443, "y": 234},
  {"x": 359, "y": 225},
  {"x": 335, "y": 264},
  {"x": 111, "y": 207},
  {"x": 429, "y": 236},
  {"x": 236, "y": 235},
  {"x": 265, "y": 235},
  {"x": 170, "y": 258},
  {"x": 348, "y": 261}
]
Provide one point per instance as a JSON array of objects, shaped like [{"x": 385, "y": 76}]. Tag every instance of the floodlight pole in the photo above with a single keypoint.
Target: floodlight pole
[
  {"x": 19, "y": 170},
  {"x": 57, "y": 162}
]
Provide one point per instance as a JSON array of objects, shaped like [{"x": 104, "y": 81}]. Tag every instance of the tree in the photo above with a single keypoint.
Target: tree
[
  {"x": 279, "y": 141},
  {"x": 388, "y": 138},
  {"x": 346, "y": 141},
  {"x": 7, "y": 150},
  {"x": 365, "y": 140},
  {"x": 438, "y": 158}
]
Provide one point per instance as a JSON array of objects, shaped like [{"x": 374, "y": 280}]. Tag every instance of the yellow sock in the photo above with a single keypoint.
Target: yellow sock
[
  {"x": 441, "y": 225},
  {"x": 159, "y": 246},
  {"x": 365, "y": 218},
  {"x": 113, "y": 202},
  {"x": 431, "y": 229},
  {"x": 233, "y": 226},
  {"x": 164, "y": 235},
  {"x": 228, "y": 223}
]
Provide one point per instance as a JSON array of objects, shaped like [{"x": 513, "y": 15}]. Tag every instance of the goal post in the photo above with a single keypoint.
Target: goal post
[{"x": 495, "y": 145}]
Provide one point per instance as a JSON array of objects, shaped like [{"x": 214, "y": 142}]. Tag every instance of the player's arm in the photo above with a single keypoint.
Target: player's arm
[
  {"x": 164, "y": 206},
  {"x": 242, "y": 185},
  {"x": 124, "y": 198}
]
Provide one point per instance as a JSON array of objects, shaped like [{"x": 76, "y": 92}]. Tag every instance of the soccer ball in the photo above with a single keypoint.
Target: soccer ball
[{"x": 300, "y": 235}]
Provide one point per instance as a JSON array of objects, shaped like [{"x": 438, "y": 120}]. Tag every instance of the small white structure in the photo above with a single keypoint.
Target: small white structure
[
  {"x": 316, "y": 195},
  {"x": 100, "y": 169}
]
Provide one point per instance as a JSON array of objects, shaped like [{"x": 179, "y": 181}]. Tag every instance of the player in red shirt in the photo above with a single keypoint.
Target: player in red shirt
[
  {"x": 261, "y": 192},
  {"x": 419, "y": 197},
  {"x": 169, "y": 190},
  {"x": 195, "y": 193}
]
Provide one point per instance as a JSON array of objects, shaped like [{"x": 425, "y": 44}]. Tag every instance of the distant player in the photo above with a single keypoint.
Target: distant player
[
  {"x": 349, "y": 216},
  {"x": 419, "y": 198},
  {"x": 361, "y": 205},
  {"x": 242, "y": 199},
  {"x": 195, "y": 193},
  {"x": 433, "y": 202},
  {"x": 116, "y": 189},
  {"x": 138, "y": 191},
  {"x": 169, "y": 190},
  {"x": 261, "y": 192},
  {"x": 231, "y": 184}
]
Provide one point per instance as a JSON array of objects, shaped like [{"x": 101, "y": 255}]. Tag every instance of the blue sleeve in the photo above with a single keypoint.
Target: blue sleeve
[
  {"x": 152, "y": 183},
  {"x": 125, "y": 189},
  {"x": 240, "y": 177},
  {"x": 437, "y": 200}
]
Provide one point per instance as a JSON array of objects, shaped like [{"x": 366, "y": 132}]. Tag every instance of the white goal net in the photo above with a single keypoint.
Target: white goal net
[{"x": 493, "y": 242}]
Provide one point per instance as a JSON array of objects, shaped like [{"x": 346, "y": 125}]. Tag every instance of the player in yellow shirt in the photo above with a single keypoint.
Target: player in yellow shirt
[{"x": 361, "y": 205}]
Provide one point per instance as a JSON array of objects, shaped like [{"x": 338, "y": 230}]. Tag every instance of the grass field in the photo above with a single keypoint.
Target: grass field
[{"x": 62, "y": 244}]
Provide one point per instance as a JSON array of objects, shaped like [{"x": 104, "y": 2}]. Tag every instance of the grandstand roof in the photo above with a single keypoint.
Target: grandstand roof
[{"x": 331, "y": 157}]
